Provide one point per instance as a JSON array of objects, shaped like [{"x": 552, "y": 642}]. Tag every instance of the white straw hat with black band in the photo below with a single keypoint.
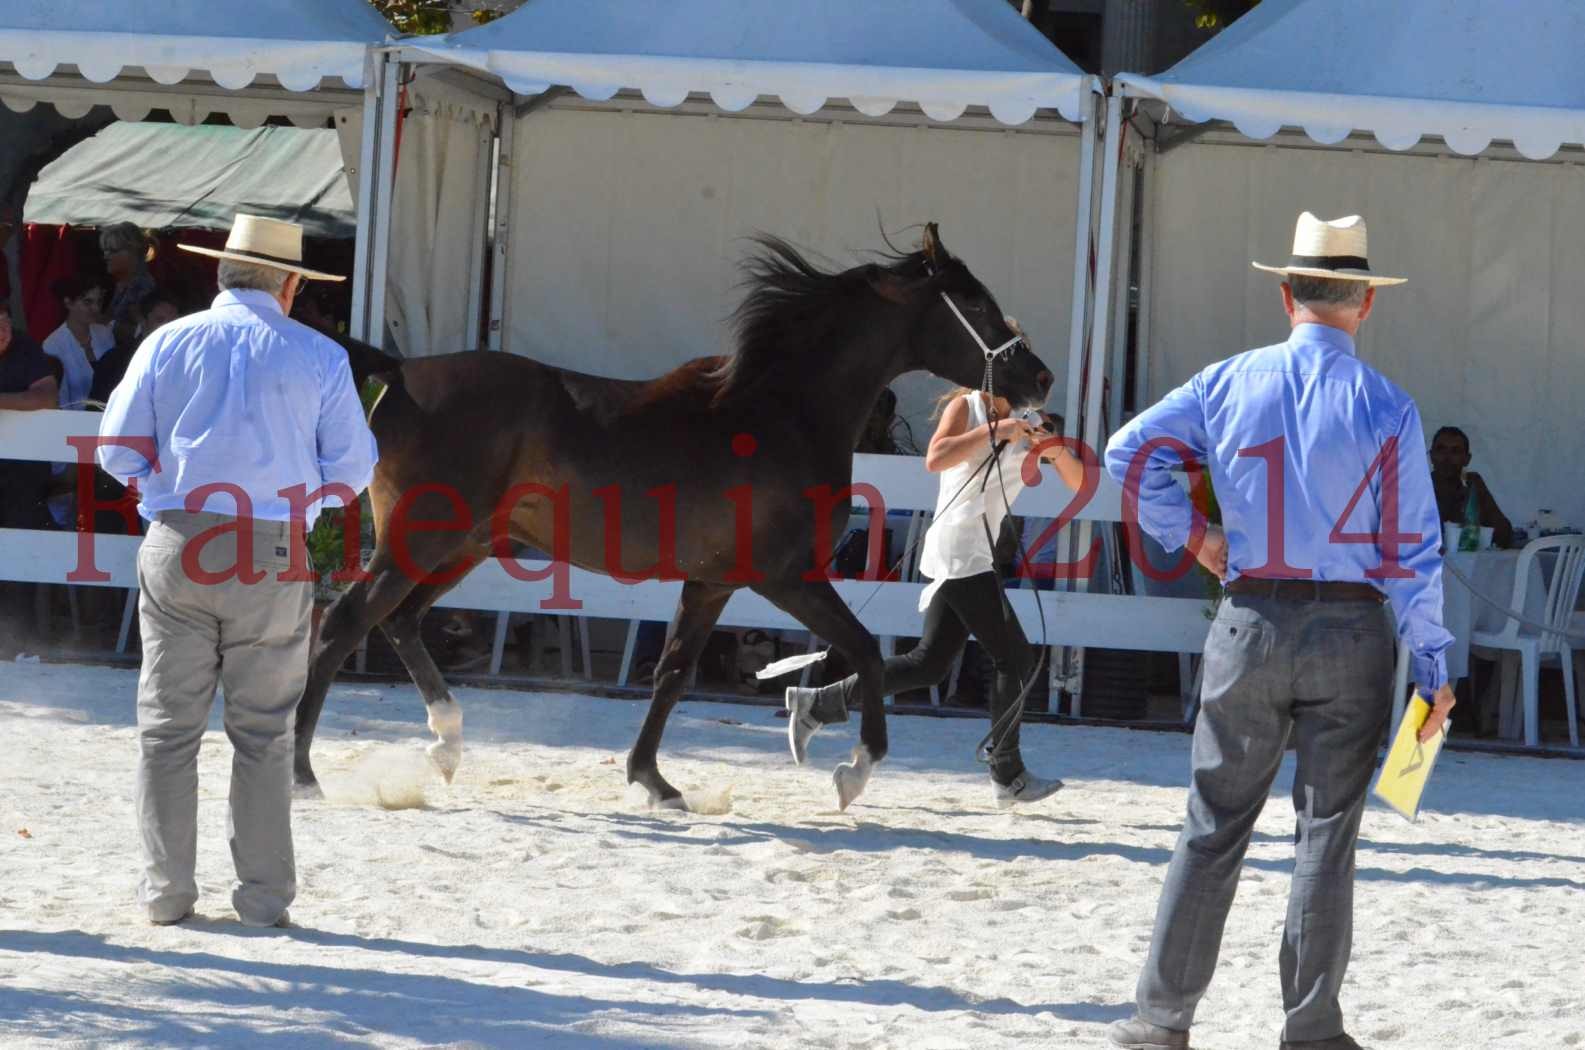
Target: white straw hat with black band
[
  {"x": 1338, "y": 249},
  {"x": 264, "y": 242}
]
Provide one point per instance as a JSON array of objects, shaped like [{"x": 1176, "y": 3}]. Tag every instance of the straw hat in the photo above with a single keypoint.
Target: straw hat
[
  {"x": 265, "y": 242},
  {"x": 1335, "y": 249}
]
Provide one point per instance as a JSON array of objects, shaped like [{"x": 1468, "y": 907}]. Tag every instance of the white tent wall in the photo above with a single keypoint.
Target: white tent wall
[
  {"x": 1486, "y": 334},
  {"x": 628, "y": 227},
  {"x": 437, "y": 228}
]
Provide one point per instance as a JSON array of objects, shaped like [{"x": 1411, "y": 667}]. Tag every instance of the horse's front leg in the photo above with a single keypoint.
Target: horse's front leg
[
  {"x": 818, "y": 607},
  {"x": 698, "y": 609}
]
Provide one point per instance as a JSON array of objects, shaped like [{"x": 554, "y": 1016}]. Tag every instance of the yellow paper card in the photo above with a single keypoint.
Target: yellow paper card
[{"x": 1408, "y": 765}]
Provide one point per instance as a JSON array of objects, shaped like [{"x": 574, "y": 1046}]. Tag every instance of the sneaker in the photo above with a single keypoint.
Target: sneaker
[
  {"x": 1136, "y": 1033},
  {"x": 1343, "y": 1041},
  {"x": 801, "y": 722},
  {"x": 1025, "y": 787}
]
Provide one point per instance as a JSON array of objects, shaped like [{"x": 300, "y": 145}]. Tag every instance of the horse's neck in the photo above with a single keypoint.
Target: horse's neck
[{"x": 845, "y": 389}]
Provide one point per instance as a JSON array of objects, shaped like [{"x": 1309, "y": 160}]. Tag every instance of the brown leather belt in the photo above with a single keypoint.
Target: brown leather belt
[{"x": 1306, "y": 590}]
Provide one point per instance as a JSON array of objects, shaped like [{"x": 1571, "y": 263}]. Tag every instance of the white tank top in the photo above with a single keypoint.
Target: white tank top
[{"x": 955, "y": 546}]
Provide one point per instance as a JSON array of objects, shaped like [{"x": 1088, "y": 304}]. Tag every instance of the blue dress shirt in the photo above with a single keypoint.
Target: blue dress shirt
[
  {"x": 239, "y": 394},
  {"x": 1313, "y": 407}
]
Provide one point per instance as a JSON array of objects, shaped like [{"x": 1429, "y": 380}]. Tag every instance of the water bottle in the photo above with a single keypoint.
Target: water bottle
[{"x": 1469, "y": 534}]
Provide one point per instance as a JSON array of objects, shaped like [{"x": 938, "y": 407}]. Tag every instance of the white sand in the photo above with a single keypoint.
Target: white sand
[{"x": 536, "y": 903}]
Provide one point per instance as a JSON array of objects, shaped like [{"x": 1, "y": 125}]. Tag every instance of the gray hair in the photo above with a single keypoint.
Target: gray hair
[
  {"x": 253, "y": 276},
  {"x": 1328, "y": 293},
  {"x": 126, "y": 237}
]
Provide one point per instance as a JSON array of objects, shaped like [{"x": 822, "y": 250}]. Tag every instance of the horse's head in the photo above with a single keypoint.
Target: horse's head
[{"x": 961, "y": 329}]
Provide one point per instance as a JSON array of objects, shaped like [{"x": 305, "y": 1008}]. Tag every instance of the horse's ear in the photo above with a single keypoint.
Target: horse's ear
[
  {"x": 888, "y": 285},
  {"x": 930, "y": 244}
]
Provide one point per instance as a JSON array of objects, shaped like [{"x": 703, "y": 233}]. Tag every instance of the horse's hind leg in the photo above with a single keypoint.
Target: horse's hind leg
[
  {"x": 401, "y": 629},
  {"x": 345, "y": 624},
  {"x": 697, "y": 611},
  {"x": 818, "y": 607}
]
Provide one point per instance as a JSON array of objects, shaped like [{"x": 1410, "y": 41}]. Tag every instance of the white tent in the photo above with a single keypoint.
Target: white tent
[
  {"x": 619, "y": 215},
  {"x": 191, "y": 57},
  {"x": 248, "y": 59},
  {"x": 945, "y": 55},
  {"x": 1464, "y": 71},
  {"x": 1485, "y": 334}
]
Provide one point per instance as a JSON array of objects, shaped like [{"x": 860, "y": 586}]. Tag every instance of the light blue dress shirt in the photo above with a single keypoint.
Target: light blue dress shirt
[
  {"x": 1313, "y": 406},
  {"x": 244, "y": 395}
]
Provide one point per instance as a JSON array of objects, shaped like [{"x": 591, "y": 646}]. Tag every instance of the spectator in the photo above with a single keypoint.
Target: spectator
[
  {"x": 315, "y": 309},
  {"x": 128, "y": 252},
  {"x": 157, "y": 309},
  {"x": 78, "y": 345},
  {"x": 1455, "y": 483},
  {"x": 27, "y": 383}
]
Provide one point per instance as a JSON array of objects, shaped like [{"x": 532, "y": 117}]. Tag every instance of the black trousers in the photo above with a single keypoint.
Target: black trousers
[
  {"x": 975, "y": 605},
  {"x": 21, "y": 507}
]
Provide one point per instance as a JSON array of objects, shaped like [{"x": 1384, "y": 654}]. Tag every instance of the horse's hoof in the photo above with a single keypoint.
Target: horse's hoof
[
  {"x": 307, "y": 791},
  {"x": 851, "y": 778},
  {"x": 445, "y": 721},
  {"x": 446, "y": 756},
  {"x": 678, "y": 803}
]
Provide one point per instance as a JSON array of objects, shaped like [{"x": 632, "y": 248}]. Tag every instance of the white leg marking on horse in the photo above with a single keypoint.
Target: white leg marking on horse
[
  {"x": 852, "y": 777},
  {"x": 445, "y": 721}
]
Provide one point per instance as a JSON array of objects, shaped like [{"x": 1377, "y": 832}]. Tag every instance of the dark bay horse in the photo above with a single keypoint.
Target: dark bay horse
[{"x": 702, "y": 474}]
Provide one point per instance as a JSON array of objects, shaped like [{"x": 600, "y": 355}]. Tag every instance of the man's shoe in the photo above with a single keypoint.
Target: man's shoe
[
  {"x": 801, "y": 722},
  {"x": 1337, "y": 1042},
  {"x": 1136, "y": 1033},
  {"x": 1025, "y": 787},
  {"x": 183, "y": 917}
]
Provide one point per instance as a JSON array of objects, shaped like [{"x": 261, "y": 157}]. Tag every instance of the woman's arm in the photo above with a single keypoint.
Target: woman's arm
[{"x": 955, "y": 442}]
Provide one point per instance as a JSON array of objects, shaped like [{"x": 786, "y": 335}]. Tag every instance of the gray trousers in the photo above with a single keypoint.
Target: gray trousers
[
  {"x": 1322, "y": 671},
  {"x": 252, "y": 640}
]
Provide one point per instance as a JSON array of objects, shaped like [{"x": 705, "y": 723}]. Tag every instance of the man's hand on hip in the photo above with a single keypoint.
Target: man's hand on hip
[
  {"x": 1213, "y": 551},
  {"x": 1441, "y": 704}
]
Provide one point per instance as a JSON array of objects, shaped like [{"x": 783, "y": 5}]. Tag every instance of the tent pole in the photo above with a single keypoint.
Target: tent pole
[
  {"x": 1147, "y": 266},
  {"x": 1105, "y": 256},
  {"x": 479, "y": 240},
  {"x": 500, "y": 259},
  {"x": 385, "y": 188},
  {"x": 373, "y": 74},
  {"x": 1083, "y": 224},
  {"x": 1123, "y": 271},
  {"x": 1105, "y": 245}
]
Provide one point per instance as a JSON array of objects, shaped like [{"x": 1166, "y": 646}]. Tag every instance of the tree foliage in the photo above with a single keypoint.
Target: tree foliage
[
  {"x": 417, "y": 17},
  {"x": 1215, "y": 14}
]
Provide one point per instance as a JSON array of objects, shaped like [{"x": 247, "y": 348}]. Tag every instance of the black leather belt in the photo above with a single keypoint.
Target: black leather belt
[{"x": 1306, "y": 590}]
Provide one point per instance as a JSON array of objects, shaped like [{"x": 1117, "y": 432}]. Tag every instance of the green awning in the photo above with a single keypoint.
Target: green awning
[{"x": 171, "y": 175}]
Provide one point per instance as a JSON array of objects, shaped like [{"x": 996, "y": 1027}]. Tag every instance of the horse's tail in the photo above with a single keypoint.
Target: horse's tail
[{"x": 369, "y": 362}]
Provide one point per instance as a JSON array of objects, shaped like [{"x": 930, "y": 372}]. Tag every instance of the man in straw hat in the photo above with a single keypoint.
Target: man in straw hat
[
  {"x": 244, "y": 407},
  {"x": 1319, "y": 465}
]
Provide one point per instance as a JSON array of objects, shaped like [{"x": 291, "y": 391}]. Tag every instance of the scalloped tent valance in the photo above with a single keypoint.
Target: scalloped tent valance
[
  {"x": 232, "y": 41},
  {"x": 944, "y": 55},
  {"x": 1469, "y": 71}
]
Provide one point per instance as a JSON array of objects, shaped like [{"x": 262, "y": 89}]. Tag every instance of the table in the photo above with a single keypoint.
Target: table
[{"x": 1492, "y": 573}]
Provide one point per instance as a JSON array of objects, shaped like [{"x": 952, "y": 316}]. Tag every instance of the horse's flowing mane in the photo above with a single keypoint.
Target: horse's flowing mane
[{"x": 792, "y": 308}]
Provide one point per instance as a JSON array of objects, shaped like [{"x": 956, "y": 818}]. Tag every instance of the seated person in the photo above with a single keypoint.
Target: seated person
[
  {"x": 157, "y": 308},
  {"x": 1453, "y": 484},
  {"x": 28, "y": 383}
]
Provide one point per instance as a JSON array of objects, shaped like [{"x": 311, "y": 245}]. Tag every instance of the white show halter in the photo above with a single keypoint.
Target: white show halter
[{"x": 990, "y": 354}]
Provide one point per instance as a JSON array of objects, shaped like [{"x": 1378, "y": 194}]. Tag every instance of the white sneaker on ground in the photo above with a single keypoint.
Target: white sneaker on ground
[
  {"x": 1025, "y": 787},
  {"x": 801, "y": 723}
]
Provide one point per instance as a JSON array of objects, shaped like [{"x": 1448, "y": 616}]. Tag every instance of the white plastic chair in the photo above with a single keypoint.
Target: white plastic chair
[{"x": 1536, "y": 646}]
